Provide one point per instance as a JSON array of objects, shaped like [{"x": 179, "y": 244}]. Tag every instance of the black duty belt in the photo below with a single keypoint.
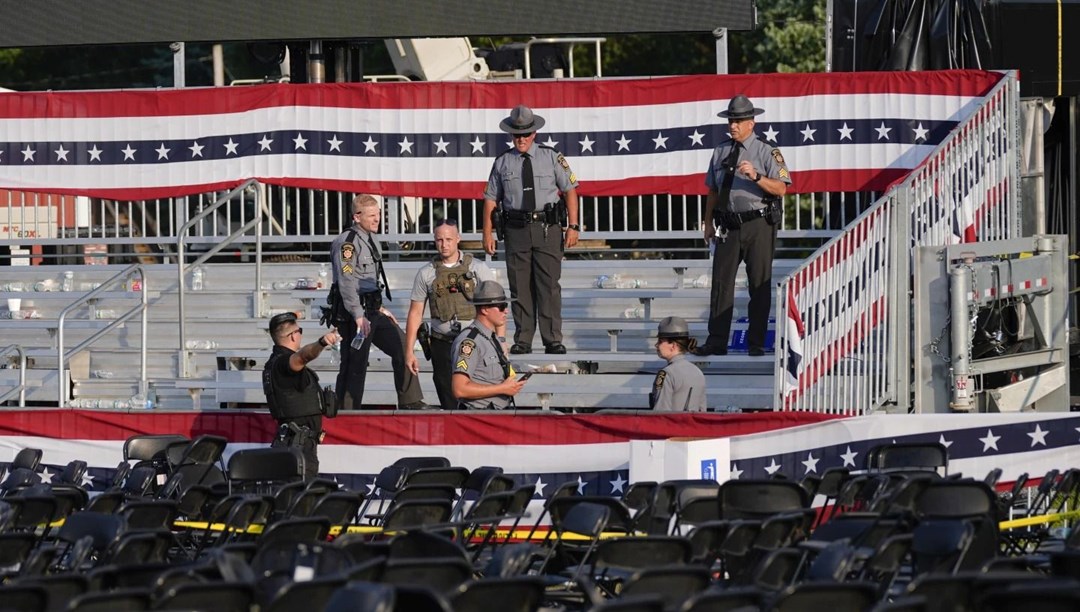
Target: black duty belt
[
  {"x": 444, "y": 337},
  {"x": 750, "y": 215},
  {"x": 539, "y": 216}
]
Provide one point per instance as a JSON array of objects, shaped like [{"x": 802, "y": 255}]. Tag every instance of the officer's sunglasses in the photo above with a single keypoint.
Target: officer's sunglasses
[
  {"x": 501, "y": 307},
  {"x": 451, "y": 222},
  {"x": 523, "y": 136},
  {"x": 298, "y": 330}
]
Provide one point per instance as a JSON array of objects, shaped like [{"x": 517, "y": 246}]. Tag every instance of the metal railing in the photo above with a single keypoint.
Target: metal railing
[
  {"x": 19, "y": 389},
  {"x": 183, "y": 269},
  {"x": 124, "y": 275},
  {"x": 852, "y": 294}
]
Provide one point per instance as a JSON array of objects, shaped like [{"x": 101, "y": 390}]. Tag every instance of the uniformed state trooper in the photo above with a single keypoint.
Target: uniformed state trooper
[
  {"x": 746, "y": 179},
  {"x": 680, "y": 386},
  {"x": 483, "y": 378},
  {"x": 525, "y": 183},
  {"x": 359, "y": 282},
  {"x": 445, "y": 284}
]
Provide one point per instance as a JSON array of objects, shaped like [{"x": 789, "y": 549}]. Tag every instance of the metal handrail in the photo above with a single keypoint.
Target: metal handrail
[
  {"x": 21, "y": 388},
  {"x": 182, "y": 269},
  {"x": 126, "y": 273}
]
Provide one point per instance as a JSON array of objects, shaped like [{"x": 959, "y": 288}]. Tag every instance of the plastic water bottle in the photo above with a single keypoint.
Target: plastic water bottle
[
  {"x": 197, "y": 279},
  {"x": 68, "y": 284},
  {"x": 358, "y": 340},
  {"x": 703, "y": 281},
  {"x": 324, "y": 276},
  {"x": 629, "y": 283},
  {"x": 151, "y": 398},
  {"x": 634, "y": 313}
]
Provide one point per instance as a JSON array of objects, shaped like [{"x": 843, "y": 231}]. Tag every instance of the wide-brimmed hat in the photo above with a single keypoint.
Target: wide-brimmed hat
[
  {"x": 740, "y": 107},
  {"x": 521, "y": 121},
  {"x": 489, "y": 293},
  {"x": 673, "y": 327}
]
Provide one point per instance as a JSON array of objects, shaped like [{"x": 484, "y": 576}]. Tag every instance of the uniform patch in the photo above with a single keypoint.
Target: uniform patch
[
  {"x": 348, "y": 250},
  {"x": 562, "y": 162},
  {"x": 462, "y": 365},
  {"x": 573, "y": 178},
  {"x": 467, "y": 348},
  {"x": 659, "y": 382}
]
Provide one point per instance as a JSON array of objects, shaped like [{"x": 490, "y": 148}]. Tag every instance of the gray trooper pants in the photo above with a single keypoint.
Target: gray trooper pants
[{"x": 533, "y": 270}]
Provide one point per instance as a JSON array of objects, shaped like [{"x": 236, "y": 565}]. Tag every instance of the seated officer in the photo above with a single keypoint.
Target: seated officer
[
  {"x": 483, "y": 378},
  {"x": 680, "y": 386},
  {"x": 292, "y": 389}
]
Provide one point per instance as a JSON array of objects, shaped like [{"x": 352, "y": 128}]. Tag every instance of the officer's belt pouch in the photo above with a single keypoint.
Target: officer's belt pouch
[
  {"x": 775, "y": 213},
  {"x": 371, "y": 301},
  {"x": 329, "y": 403},
  {"x": 727, "y": 220}
]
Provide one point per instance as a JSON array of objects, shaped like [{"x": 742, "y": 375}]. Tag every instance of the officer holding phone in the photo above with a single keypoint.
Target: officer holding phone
[{"x": 483, "y": 378}]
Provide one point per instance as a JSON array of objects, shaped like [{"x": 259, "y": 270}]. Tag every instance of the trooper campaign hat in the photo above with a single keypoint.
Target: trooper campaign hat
[
  {"x": 281, "y": 319},
  {"x": 740, "y": 107},
  {"x": 673, "y": 327},
  {"x": 521, "y": 121},
  {"x": 489, "y": 293}
]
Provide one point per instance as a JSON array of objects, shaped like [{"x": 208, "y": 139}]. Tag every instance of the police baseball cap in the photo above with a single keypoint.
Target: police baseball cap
[
  {"x": 521, "y": 121},
  {"x": 740, "y": 107},
  {"x": 673, "y": 327},
  {"x": 281, "y": 319},
  {"x": 489, "y": 293}
]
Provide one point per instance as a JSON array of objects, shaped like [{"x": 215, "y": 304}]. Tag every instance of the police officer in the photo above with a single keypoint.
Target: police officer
[
  {"x": 483, "y": 378},
  {"x": 360, "y": 281},
  {"x": 680, "y": 386},
  {"x": 746, "y": 180},
  {"x": 292, "y": 389},
  {"x": 525, "y": 183},
  {"x": 445, "y": 284}
]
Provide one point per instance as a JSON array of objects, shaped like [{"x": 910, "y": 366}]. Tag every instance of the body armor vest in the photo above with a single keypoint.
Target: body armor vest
[
  {"x": 288, "y": 403},
  {"x": 452, "y": 289}
]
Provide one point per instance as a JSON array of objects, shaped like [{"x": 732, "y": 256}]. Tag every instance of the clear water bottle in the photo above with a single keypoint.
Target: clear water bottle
[
  {"x": 68, "y": 282},
  {"x": 358, "y": 340},
  {"x": 634, "y": 313},
  {"x": 197, "y": 278},
  {"x": 151, "y": 398},
  {"x": 324, "y": 276}
]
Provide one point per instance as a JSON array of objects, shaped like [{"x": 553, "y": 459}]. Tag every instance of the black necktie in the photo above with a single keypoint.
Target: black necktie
[
  {"x": 729, "y": 176},
  {"x": 378, "y": 262},
  {"x": 527, "y": 187}
]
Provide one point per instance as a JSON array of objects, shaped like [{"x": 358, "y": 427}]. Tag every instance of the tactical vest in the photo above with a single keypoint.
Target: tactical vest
[
  {"x": 289, "y": 403},
  {"x": 452, "y": 289}
]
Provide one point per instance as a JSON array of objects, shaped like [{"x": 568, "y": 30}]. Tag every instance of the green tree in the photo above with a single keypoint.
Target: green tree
[{"x": 790, "y": 38}]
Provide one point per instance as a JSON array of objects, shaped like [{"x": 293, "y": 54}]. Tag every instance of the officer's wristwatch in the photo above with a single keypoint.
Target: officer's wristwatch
[
  {"x": 757, "y": 178},
  {"x": 574, "y": 226},
  {"x": 323, "y": 342}
]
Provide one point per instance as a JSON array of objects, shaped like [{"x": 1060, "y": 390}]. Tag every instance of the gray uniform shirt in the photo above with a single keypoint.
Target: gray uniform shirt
[
  {"x": 421, "y": 289},
  {"x": 356, "y": 269},
  {"x": 679, "y": 387},
  {"x": 474, "y": 356},
  {"x": 746, "y": 195},
  {"x": 551, "y": 175}
]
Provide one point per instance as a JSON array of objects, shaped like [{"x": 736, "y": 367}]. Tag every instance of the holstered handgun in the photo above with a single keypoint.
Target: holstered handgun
[
  {"x": 423, "y": 336},
  {"x": 334, "y": 313},
  {"x": 562, "y": 215},
  {"x": 499, "y": 223}
]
